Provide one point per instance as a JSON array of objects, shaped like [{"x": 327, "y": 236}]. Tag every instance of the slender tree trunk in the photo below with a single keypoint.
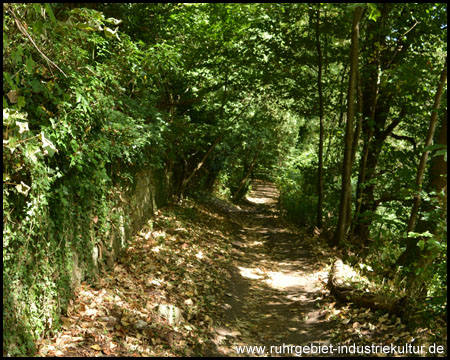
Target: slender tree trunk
[
  {"x": 412, "y": 252},
  {"x": 185, "y": 181},
  {"x": 428, "y": 141},
  {"x": 347, "y": 166},
  {"x": 438, "y": 164},
  {"x": 361, "y": 180},
  {"x": 369, "y": 152},
  {"x": 339, "y": 105},
  {"x": 341, "y": 96},
  {"x": 321, "y": 131},
  {"x": 355, "y": 145},
  {"x": 376, "y": 107}
]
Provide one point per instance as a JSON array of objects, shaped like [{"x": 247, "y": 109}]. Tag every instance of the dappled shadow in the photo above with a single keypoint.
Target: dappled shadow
[
  {"x": 273, "y": 293},
  {"x": 267, "y": 295},
  {"x": 175, "y": 261},
  {"x": 263, "y": 192}
]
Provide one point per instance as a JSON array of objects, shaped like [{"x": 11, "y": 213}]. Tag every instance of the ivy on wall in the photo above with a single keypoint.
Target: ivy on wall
[{"x": 72, "y": 136}]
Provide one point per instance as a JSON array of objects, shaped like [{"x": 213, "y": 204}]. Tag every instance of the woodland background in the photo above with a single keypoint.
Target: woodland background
[{"x": 343, "y": 106}]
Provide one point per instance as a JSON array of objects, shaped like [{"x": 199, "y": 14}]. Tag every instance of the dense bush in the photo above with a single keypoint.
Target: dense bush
[{"x": 71, "y": 132}]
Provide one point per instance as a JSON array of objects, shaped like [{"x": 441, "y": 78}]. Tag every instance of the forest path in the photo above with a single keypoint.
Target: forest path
[
  {"x": 274, "y": 291},
  {"x": 199, "y": 279}
]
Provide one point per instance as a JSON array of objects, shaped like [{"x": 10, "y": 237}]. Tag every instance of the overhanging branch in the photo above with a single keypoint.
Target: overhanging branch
[
  {"x": 25, "y": 32},
  {"x": 407, "y": 138}
]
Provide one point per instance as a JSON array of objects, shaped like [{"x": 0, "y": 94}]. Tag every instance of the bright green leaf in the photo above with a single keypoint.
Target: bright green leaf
[
  {"x": 49, "y": 10},
  {"x": 21, "y": 102},
  {"x": 49, "y": 148}
]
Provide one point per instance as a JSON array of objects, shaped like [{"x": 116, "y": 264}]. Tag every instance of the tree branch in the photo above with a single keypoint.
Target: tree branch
[
  {"x": 200, "y": 164},
  {"x": 407, "y": 138},
  {"x": 393, "y": 124},
  {"x": 24, "y": 32}
]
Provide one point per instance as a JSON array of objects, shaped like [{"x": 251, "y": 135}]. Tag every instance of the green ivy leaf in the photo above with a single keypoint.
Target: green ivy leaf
[
  {"x": 413, "y": 234},
  {"x": 421, "y": 244},
  {"x": 23, "y": 188},
  {"x": 31, "y": 151},
  {"x": 29, "y": 64},
  {"x": 23, "y": 126},
  {"x": 113, "y": 21},
  {"x": 36, "y": 86},
  {"x": 434, "y": 147},
  {"x": 111, "y": 33},
  {"x": 49, "y": 148},
  {"x": 7, "y": 77},
  {"x": 374, "y": 13},
  {"x": 440, "y": 152},
  {"x": 21, "y": 102},
  {"x": 17, "y": 55}
]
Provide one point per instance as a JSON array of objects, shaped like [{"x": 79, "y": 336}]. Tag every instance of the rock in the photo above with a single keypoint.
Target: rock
[
  {"x": 140, "y": 324},
  {"x": 110, "y": 320},
  {"x": 171, "y": 313}
]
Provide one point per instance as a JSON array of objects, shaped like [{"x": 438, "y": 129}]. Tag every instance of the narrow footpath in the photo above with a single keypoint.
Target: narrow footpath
[
  {"x": 275, "y": 288},
  {"x": 198, "y": 280}
]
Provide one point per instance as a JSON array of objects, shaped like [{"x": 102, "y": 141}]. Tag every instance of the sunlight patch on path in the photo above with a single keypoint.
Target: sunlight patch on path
[
  {"x": 282, "y": 280},
  {"x": 275, "y": 288},
  {"x": 251, "y": 273},
  {"x": 263, "y": 193},
  {"x": 260, "y": 200}
]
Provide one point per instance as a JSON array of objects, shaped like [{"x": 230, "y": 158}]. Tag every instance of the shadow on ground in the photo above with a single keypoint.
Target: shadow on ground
[{"x": 274, "y": 293}]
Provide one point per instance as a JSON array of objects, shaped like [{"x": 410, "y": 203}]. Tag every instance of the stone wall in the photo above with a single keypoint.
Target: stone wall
[{"x": 137, "y": 205}]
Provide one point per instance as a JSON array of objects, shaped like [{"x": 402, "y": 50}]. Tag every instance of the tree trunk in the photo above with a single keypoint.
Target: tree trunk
[
  {"x": 347, "y": 166},
  {"x": 366, "y": 204},
  {"x": 351, "y": 293},
  {"x": 371, "y": 118},
  {"x": 438, "y": 164},
  {"x": 428, "y": 141},
  {"x": 198, "y": 167},
  {"x": 339, "y": 105},
  {"x": 355, "y": 146},
  {"x": 412, "y": 251},
  {"x": 321, "y": 131}
]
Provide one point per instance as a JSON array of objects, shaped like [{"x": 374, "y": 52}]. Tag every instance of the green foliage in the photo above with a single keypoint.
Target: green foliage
[
  {"x": 374, "y": 13},
  {"x": 298, "y": 197},
  {"x": 219, "y": 91},
  {"x": 66, "y": 142}
]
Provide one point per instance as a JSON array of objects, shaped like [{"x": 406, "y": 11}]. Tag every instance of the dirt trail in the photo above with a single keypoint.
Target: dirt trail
[
  {"x": 180, "y": 261},
  {"x": 176, "y": 292},
  {"x": 274, "y": 290}
]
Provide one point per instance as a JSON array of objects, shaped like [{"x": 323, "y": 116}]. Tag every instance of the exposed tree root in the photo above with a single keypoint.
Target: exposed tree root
[{"x": 347, "y": 292}]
